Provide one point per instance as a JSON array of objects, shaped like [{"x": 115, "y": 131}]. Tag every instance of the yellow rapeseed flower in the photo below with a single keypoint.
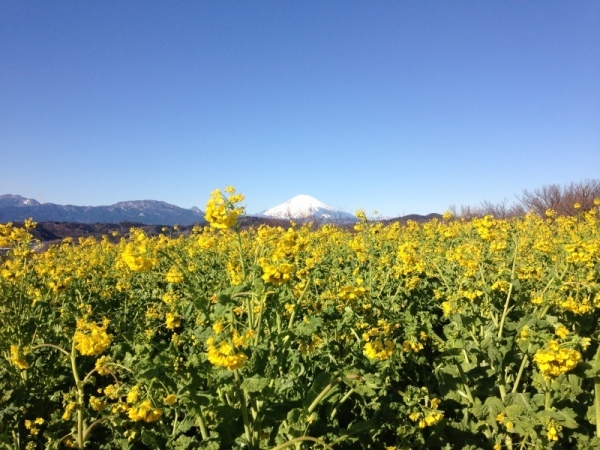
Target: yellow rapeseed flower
[
  {"x": 554, "y": 360},
  {"x": 144, "y": 411},
  {"x": 90, "y": 338},
  {"x": 378, "y": 350},
  {"x": 174, "y": 275},
  {"x": 17, "y": 359},
  {"x": 172, "y": 321},
  {"x": 221, "y": 211},
  {"x": 562, "y": 332},
  {"x": 69, "y": 411},
  {"x": 225, "y": 355},
  {"x": 170, "y": 399}
]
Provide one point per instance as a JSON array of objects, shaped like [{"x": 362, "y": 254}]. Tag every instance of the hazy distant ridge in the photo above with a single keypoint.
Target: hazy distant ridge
[
  {"x": 302, "y": 208},
  {"x": 14, "y": 208}
]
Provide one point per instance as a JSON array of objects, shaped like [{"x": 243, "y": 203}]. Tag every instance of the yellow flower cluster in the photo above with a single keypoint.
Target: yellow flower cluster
[
  {"x": 570, "y": 304},
  {"x": 224, "y": 354},
  {"x": 484, "y": 226},
  {"x": 381, "y": 348},
  {"x": 90, "y": 338},
  {"x": 278, "y": 268},
  {"x": 350, "y": 292},
  {"x": 289, "y": 243},
  {"x": 430, "y": 417},
  {"x": 69, "y": 409},
  {"x": 562, "y": 331},
  {"x": 278, "y": 273},
  {"x": 555, "y": 360},
  {"x": 414, "y": 345},
  {"x": 172, "y": 321},
  {"x": 584, "y": 253},
  {"x": 145, "y": 412},
  {"x": 553, "y": 428},
  {"x": 17, "y": 358},
  {"x": 378, "y": 349},
  {"x": 305, "y": 349},
  {"x": 221, "y": 211},
  {"x": 31, "y": 425},
  {"x": 126, "y": 402},
  {"x": 171, "y": 399},
  {"x": 509, "y": 424},
  {"x": 112, "y": 391},
  {"x": 174, "y": 275},
  {"x": 135, "y": 256},
  {"x": 102, "y": 365},
  {"x": 97, "y": 404},
  {"x": 15, "y": 237}
]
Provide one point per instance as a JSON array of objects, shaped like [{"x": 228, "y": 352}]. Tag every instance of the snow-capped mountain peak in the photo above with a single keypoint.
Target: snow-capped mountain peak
[{"x": 305, "y": 208}]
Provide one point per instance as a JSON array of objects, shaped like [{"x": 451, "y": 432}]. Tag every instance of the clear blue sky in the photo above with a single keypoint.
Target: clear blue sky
[{"x": 397, "y": 106}]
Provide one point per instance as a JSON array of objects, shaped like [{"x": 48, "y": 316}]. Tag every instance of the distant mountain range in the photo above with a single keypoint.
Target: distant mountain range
[
  {"x": 302, "y": 208},
  {"x": 14, "y": 208}
]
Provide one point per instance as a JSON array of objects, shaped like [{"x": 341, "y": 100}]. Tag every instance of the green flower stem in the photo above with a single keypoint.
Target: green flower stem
[
  {"x": 466, "y": 356},
  {"x": 243, "y": 407},
  {"x": 323, "y": 393},
  {"x": 250, "y": 312},
  {"x": 548, "y": 403},
  {"x": 52, "y": 346},
  {"x": 260, "y": 319},
  {"x": 597, "y": 404},
  {"x": 502, "y": 388},
  {"x": 508, "y": 441},
  {"x": 300, "y": 439},
  {"x": 81, "y": 433},
  {"x": 342, "y": 400},
  {"x": 524, "y": 442},
  {"x": 256, "y": 420},
  {"x": 463, "y": 378},
  {"x": 241, "y": 252},
  {"x": 520, "y": 373},
  {"x": 383, "y": 285},
  {"x": 510, "y": 288},
  {"x": 441, "y": 274},
  {"x": 202, "y": 425},
  {"x": 92, "y": 425},
  {"x": 597, "y": 395},
  {"x": 80, "y": 397},
  {"x": 293, "y": 314}
]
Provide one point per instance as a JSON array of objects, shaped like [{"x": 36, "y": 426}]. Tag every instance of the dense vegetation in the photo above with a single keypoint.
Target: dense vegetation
[{"x": 448, "y": 334}]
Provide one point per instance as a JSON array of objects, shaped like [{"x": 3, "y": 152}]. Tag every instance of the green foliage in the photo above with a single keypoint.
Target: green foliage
[{"x": 450, "y": 334}]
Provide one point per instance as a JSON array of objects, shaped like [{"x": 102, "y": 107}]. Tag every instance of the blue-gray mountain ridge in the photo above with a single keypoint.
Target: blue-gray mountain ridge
[{"x": 15, "y": 208}]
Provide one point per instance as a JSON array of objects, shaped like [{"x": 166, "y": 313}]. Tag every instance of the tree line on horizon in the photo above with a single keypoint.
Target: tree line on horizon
[{"x": 565, "y": 200}]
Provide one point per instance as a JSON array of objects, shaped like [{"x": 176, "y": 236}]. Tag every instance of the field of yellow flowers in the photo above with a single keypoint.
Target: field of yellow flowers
[{"x": 478, "y": 334}]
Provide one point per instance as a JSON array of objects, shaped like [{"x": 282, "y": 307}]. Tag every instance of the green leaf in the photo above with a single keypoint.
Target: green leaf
[
  {"x": 591, "y": 370},
  {"x": 568, "y": 418},
  {"x": 185, "y": 425},
  {"x": 310, "y": 328},
  {"x": 565, "y": 417},
  {"x": 359, "y": 427},
  {"x": 184, "y": 442},
  {"x": 255, "y": 384},
  {"x": 516, "y": 284}
]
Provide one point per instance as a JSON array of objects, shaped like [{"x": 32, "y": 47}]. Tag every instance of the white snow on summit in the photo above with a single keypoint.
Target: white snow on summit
[{"x": 305, "y": 207}]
